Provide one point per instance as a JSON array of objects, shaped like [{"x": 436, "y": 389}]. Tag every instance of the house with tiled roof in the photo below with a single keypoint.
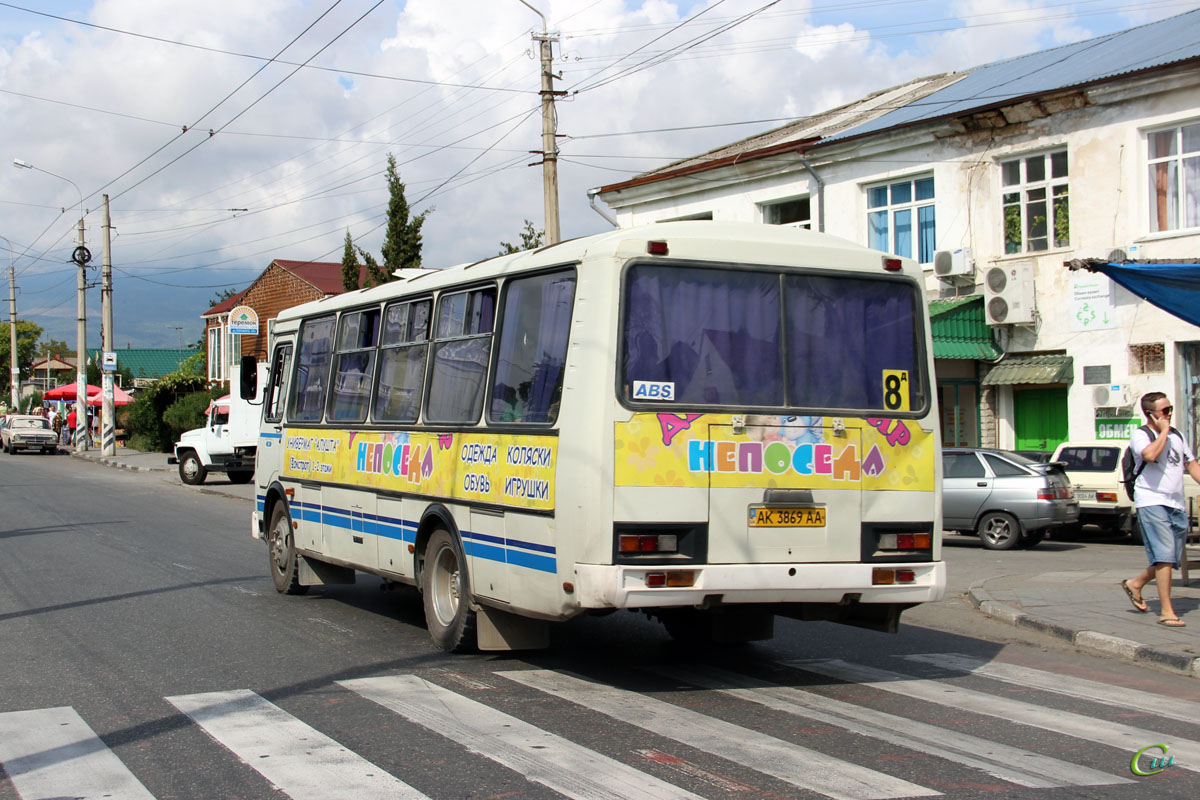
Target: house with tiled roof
[
  {"x": 145, "y": 364},
  {"x": 281, "y": 285},
  {"x": 992, "y": 178}
]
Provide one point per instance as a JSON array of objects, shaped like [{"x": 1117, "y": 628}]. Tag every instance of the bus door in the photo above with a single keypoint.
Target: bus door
[{"x": 784, "y": 489}]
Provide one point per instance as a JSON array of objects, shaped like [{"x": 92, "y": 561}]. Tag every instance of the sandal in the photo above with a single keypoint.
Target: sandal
[
  {"x": 1172, "y": 622},
  {"x": 1137, "y": 602}
]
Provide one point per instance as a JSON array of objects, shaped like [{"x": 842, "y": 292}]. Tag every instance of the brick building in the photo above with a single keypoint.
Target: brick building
[{"x": 281, "y": 285}]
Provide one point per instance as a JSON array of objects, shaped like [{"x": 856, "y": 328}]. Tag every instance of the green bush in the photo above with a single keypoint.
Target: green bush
[
  {"x": 187, "y": 412},
  {"x": 148, "y": 428}
]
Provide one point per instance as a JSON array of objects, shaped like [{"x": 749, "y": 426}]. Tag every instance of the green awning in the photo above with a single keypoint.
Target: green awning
[
  {"x": 1031, "y": 369},
  {"x": 959, "y": 329}
]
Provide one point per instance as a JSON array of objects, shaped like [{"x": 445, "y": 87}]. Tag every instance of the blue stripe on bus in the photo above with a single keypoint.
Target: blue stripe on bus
[
  {"x": 475, "y": 544},
  {"x": 271, "y": 435}
]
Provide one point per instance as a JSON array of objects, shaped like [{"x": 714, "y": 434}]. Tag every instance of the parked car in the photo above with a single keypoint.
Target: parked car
[
  {"x": 27, "y": 432},
  {"x": 1004, "y": 497},
  {"x": 1094, "y": 470}
]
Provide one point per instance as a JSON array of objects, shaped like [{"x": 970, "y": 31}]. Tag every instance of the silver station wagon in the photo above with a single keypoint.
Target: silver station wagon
[{"x": 1004, "y": 497}]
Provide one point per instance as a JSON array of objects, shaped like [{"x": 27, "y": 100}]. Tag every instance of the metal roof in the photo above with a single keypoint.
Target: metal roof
[
  {"x": 959, "y": 330},
  {"x": 1155, "y": 44},
  {"x": 1031, "y": 370}
]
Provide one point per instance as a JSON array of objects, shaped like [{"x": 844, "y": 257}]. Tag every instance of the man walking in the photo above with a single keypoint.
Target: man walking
[{"x": 1161, "y": 456}]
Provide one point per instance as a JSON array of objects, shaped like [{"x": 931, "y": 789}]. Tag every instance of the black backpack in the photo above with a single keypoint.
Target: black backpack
[{"x": 1130, "y": 473}]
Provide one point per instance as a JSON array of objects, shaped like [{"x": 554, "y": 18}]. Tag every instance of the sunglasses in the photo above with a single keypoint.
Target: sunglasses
[{"x": 1167, "y": 410}]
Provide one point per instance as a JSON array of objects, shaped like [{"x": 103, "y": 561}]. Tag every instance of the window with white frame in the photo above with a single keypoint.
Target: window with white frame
[
  {"x": 216, "y": 359},
  {"x": 796, "y": 212},
  {"x": 901, "y": 218},
  {"x": 1035, "y": 202},
  {"x": 1173, "y": 156}
]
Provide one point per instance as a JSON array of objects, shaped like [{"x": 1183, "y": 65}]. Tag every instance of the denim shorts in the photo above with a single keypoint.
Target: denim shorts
[{"x": 1163, "y": 532}]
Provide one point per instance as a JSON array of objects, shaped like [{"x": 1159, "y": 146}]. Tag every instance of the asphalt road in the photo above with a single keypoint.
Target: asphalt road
[{"x": 145, "y": 653}]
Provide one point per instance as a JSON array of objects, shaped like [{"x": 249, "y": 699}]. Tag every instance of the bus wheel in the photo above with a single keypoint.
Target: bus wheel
[
  {"x": 445, "y": 593},
  {"x": 999, "y": 531},
  {"x": 191, "y": 471},
  {"x": 281, "y": 550}
]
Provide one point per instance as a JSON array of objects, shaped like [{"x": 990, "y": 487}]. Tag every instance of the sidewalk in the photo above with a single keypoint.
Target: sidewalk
[
  {"x": 1089, "y": 609},
  {"x": 1084, "y": 607}
]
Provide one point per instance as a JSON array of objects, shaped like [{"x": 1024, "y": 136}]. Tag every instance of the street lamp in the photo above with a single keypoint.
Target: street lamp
[
  {"x": 81, "y": 257},
  {"x": 12, "y": 325}
]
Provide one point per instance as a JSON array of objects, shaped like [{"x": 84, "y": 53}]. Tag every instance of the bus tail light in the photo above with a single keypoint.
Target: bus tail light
[
  {"x": 891, "y": 264},
  {"x": 648, "y": 543},
  {"x": 657, "y": 248},
  {"x": 888, "y": 577},
  {"x": 682, "y": 577},
  {"x": 905, "y": 541}
]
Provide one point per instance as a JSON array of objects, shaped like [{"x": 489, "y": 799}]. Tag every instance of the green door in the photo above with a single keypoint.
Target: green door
[{"x": 1040, "y": 418}]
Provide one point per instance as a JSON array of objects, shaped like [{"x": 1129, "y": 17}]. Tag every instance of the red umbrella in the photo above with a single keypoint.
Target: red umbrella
[
  {"x": 120, "y": 397},
  {"x": 67, "y": 392}
]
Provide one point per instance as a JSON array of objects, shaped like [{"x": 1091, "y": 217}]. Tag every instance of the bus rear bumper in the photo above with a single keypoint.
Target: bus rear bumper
[{"x": 621, "y": 586}]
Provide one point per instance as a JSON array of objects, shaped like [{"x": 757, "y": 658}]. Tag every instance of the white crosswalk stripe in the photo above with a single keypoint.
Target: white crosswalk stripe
[
  {"x": 1022, "y": 767},
  {"x": 53, "y": 753},
  {"x": 541, "y": 756},
  {"x": 1092, "y": 729},
  {"x": 790, "y": 762},
  {"x": 1118, "y": 696},
  {"x": 300, "y": 761}
]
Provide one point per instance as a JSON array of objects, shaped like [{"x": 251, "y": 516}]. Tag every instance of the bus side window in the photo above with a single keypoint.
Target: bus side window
[
  {"x": 535, "y": 324},
  {"x": 354, "y": 365},
  {"x": 402, "y": 355},
  {"x": 277, "y": 383},
  {"x": 307, "y": 401},
  {"x": 461, "y": 351}
]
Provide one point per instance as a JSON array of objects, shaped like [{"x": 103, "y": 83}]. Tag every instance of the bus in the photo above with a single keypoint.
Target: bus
[{"x": 710, "y": 423}]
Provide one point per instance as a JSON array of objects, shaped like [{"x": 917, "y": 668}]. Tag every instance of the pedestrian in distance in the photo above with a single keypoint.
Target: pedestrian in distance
[
  {"x": 71, "y": 426},
  {"x": 1161, "y": 457}
]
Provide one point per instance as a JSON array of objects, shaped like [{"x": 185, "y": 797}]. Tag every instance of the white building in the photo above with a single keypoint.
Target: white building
[{"x": 1089, "y": 150}]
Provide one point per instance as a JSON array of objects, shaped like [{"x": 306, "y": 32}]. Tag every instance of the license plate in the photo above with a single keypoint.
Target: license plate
[
  {"x": 792, "y": 517},
  {"x": 1086, "y": 496}
]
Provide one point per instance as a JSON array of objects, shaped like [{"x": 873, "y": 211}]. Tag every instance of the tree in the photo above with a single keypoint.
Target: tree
[
  {"x": 349, "y": 265},
  {"x": 53, "y": 347},
  {"x": 401, "y": 241},
  {"x": 531, "y": 238},
  {"x": 28, "y": 334}
]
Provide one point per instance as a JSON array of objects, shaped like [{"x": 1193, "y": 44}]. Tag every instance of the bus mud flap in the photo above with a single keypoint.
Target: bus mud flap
[
  {"x": 502, "y": 630},
  {"x": 320, "y": 573}
]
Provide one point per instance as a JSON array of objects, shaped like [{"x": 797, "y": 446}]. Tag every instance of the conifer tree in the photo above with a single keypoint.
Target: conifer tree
[{"x": 349, "y": 265}]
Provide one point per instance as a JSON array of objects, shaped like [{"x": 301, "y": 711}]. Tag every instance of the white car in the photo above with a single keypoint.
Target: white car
[{"x": 27, "y": 432}]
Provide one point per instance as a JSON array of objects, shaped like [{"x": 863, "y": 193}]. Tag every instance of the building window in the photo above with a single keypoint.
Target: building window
[
  {"x": 797, "y": 213},
  {"x": 1147, "y": 359},
  {"x": 1174, "y": 161},
  {"x": 216, "y": 354},
  {"x": 895, "y": 211},
  {"x": 1035, "y": 191}
]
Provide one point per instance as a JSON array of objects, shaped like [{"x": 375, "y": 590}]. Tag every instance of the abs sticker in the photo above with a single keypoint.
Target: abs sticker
[
  {"x": 895, "y": 390},
  {"x": 653, "y": 390}
]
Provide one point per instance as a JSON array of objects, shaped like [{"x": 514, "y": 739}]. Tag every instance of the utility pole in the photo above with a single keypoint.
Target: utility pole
[
  {"x": 81, "y": 257},
  {"x": 549, "y": 151},
  {"x": 108, "y": 428},
  {"x": 12, "y": 327}
]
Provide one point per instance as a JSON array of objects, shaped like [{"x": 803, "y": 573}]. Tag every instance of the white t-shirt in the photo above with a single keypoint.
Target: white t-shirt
[{"x": 1161, "y": 482}]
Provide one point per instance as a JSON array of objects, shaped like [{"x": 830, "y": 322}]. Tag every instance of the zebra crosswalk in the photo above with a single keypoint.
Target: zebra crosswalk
[{"x": 721, "y": 729}]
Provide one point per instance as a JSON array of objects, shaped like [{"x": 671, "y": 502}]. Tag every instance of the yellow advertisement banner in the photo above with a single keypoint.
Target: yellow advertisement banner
[
  {"x": 700, "y": 450},
  {"x": 510, "y": 470}
]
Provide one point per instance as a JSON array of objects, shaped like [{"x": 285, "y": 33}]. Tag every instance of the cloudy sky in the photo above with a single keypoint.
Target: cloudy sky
[{"x": 228, "y": 133}]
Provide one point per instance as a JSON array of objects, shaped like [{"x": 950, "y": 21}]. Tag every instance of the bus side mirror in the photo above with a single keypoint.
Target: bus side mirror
[{"x": 248, "y": 377}]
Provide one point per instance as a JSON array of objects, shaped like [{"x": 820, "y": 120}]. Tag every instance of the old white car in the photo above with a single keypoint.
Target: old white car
[{"x": 27, "y": 432}]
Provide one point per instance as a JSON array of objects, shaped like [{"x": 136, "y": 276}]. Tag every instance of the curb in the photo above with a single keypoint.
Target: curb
[
  {"x": 111, "y": 462},
  {"x": 1090, "y": 641}
]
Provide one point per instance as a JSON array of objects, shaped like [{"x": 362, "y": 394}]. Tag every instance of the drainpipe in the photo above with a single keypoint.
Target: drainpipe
[
  {"x": 591, "y": 193},
  {"x": 820, "y": 192}
]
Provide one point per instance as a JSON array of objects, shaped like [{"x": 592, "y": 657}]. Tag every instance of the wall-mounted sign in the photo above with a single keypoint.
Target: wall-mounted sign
[
  {"x": 1116, "y": 427},
  {"x": 1092, "y": 304},
  {"x": 1098, "y": 375},
  {"x": 243, "y": 321}
]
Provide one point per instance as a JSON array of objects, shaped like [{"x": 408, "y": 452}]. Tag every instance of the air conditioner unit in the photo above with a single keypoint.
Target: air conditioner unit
[
  {"x": 1008, "y": 293},
  {"x": 1113, "y": 395},
  {"x": 954, "y": 266}
]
